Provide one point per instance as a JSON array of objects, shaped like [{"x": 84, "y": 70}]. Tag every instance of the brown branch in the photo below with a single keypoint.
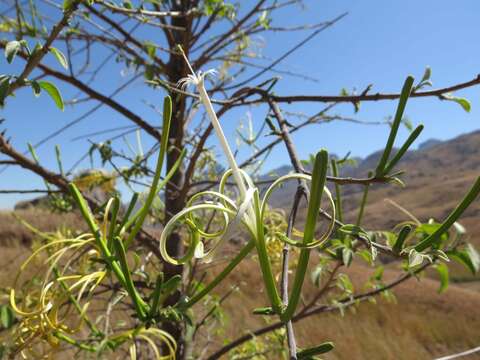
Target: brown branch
[
  {"x": 96, "y": 95},
  {"x": 38, "y": 55},
  {"x": 150, "y": 13},
  {"x": 128, "y": 37},
  {"x": 62, "y": 183},
  {"x": 365, "y": 97},
  {"x": 31, "y": 165},
  {"x": 32, "y": 191},
  {"x": 103, "y": 99},
  {"x": 204, "y": 57}
]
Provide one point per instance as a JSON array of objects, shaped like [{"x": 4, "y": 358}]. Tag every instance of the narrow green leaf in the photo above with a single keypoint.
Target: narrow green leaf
[
  {"x": 464, "y": 103},
  {"x": 427, "y": 74},
  {"x": 60, "y": 57},
  {"x": 406, "y": 90},
  {"x": 127, "y": 220},
  {"x": 402, "y": 236},
  {"x": 129, "y": 286},
  {"x": 52, "y": 90},
  {"x": 454, "y": 215},
  {"x": 6, "y": 316},
  {"x": 321, "y": 349},
  {"x": 155, "y": 298},
  {"x": 474, "y": 257},
  {"x": 338, "y": 192},
  {"x": 396, "y": 158},
  {"x": 11, "y": 50},
  {"x": 468, "y": 257},
  {"x": 319, "y": 176},
  {"x": 143, "y": 212},
  {"x": 442, "y": 270},
  {"x": 263, "y": 311},
  {"x": 351, "y": 229}
]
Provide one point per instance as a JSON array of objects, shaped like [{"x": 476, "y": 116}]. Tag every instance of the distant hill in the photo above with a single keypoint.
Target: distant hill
[{"x": 437, "y": 176}]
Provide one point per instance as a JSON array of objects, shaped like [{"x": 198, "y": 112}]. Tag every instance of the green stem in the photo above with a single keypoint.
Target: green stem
[
  {"x": 338, "y": 194},
  {"x": 167, "y": 116},
  {"x": 319, "y": 177},
  {"x": 268, "y": 278},
  {"x": 77, "y": 306},
  {"x": 362, "y": 205},
  {"x": 228, "y": 269},
  {"x": 396, "y": 158},
  {"x": 106, "y": 254},
  {"x": 73, "y": 342},
  {"x": 140, "y": 305}
]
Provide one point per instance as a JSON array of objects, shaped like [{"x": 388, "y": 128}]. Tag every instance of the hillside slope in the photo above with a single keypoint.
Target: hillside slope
[
  {"x": 437, "y": 176},
  {"x": 422, "y": 324}
]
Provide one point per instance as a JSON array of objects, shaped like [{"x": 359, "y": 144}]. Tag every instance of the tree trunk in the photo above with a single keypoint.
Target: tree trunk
[{"x": 176, "y": 70}]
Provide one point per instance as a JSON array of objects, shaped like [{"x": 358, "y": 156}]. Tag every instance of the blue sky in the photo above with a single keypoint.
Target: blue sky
[{"x": 379, "y": 42}]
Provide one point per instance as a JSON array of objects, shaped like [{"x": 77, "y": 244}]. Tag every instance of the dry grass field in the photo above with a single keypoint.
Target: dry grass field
[{"x": 422, "y": 324}]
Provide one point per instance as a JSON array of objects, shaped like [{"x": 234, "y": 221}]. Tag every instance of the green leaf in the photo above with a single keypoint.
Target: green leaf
[
  {"x": 427, "y": 74},
  {"x": 396, "y": 158},
  {"x": 321, "y": 349},
  {"x": 378, "y": 273},
  {"x": 408, "y": 123},
  {"x": 462, "y": 257},
  {"x": 452, "y": 218},
  {"x": 60, "y": 57},
  {"x": 347, "y": 256},
  {"x": 316, "y": 275},
  {"x": 53, "y": 92},
  {"x": 474, "y": 257},
  {"x": 11, "y": 50},
  {"x": 406, "y": 90},
  {"x": 442, "y": 270},
  {"x": 351, "y": 229},
  {"x": 6, "y": 317},
  {"x": 151, "y": 49},
  {"x": 402, "y": 236},
  {"x": 414, "y": 258},
  {"x": 263, "y": 311},
  {"x": 67, "y": 4},
  {"x": 464, "y": 103}
]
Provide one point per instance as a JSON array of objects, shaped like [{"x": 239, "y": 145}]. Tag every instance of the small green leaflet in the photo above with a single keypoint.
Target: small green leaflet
[
  {"x": 310, "y": 353},
  {"x": 464, "y": 103},
  {"x": 6, "y": 316},
  {"x": 60, "y": 57},
  {"x": 53, "y": 92},
  {"x": 11, "y": 50},
  {"x": 442, "y": 270}
]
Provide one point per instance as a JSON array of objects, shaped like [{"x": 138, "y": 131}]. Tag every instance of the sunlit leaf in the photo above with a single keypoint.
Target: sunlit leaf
[
  {"x": 60, "y": 57},
  {"x": 52, "y": 90},
  {"x": 11, "y": 50},
  {"x": 442, "y": 270}
]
